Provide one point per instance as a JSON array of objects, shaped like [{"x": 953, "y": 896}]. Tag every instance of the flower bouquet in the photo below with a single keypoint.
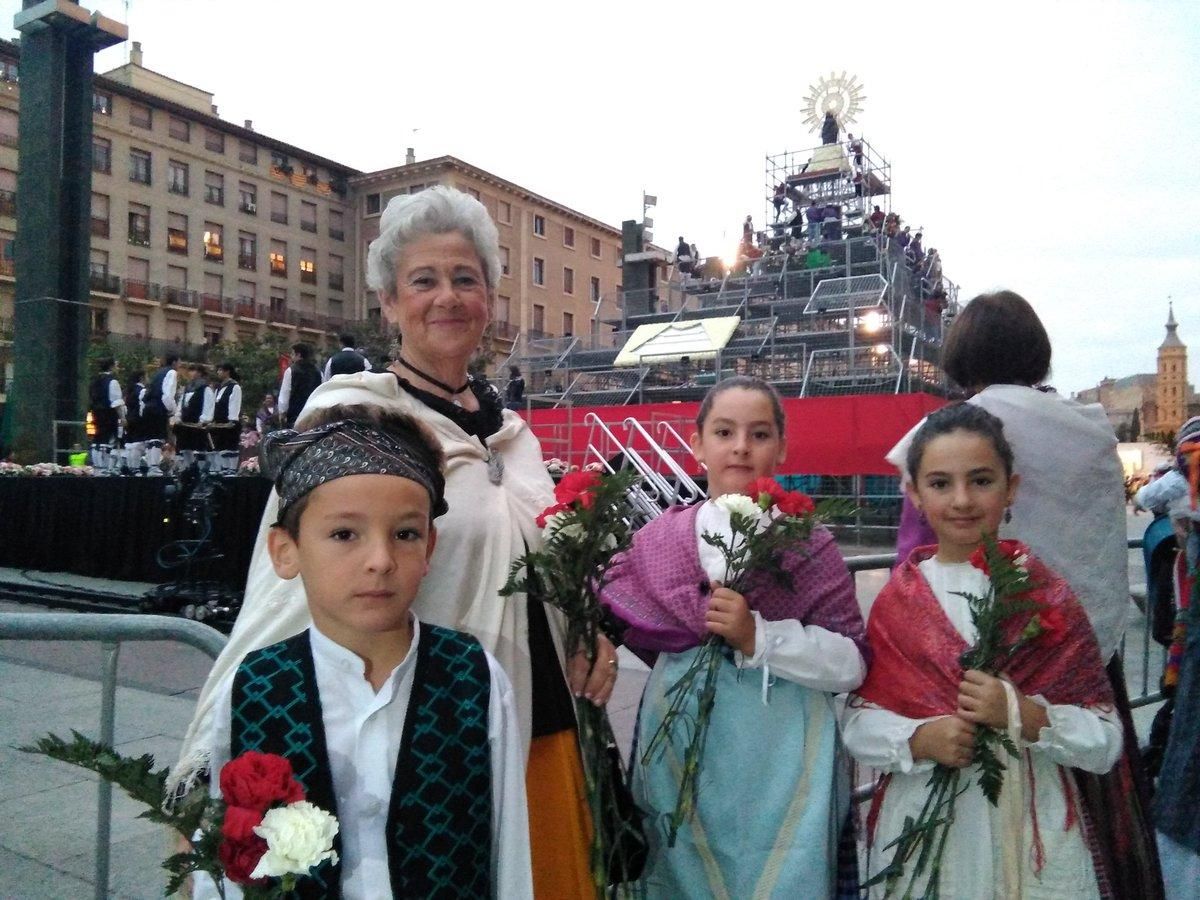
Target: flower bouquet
[
  {"x": 995, "y": 615},
  {"x": 766, "y": 522},
  {"x": 583, "y": 530},
  {"x": 261, "y": 834}
]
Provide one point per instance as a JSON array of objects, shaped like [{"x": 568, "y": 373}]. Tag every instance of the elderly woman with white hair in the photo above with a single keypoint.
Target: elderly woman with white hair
[{"x": 435, "y": 267}]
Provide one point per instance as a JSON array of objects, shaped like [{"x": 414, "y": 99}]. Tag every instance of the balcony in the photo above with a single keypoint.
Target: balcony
[
  {"x": 248, "y": 262},
  {"x": 279, "y": 218},
  {"x": 181, "y": 297},
  {"x": 214, "y": 195},
  {"x": 248, "y": 309},
  {"x": 309, "y": 226},
  {"x": 214, "y": 252},
  {"x": 103, "y": 282},
  {"x": 215, "y": 303},
  {"x": 284, "y": 171},
  {"x": 337, "y": 234},
  {"x": 308, "y": 277},
  {"x": 505, "y": 331},
  {"x": 141, "y": 290},
  {"x": 177, "y": 241},
  {"x": 139, "y": 237},
  {"x": 278, "y": 266},
  {"x": 100, "y": 228},
  {"x": 7, "y": 268},
  {"x": 282, "y": 316},
  {"x": 336, "y": 281},
  {"x": 8, "y": 204}
]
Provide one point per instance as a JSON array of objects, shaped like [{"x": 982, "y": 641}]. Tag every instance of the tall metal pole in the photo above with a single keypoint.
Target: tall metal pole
[{"x": 54, "y": 185}]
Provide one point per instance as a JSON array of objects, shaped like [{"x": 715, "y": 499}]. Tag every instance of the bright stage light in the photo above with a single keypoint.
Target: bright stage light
[{"x": 872, "y": 321}]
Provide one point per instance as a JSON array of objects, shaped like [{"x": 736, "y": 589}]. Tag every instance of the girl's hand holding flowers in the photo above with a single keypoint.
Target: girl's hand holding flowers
[
  {"x": 982, "y": 699},
  {"x": 594, "y": 679},
  {"x": 948, "y": 740},
  {"x": 729, "y": 617}
]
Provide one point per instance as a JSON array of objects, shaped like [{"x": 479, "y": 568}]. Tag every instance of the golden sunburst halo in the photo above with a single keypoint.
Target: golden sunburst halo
[{"x": 840, "y": 94}]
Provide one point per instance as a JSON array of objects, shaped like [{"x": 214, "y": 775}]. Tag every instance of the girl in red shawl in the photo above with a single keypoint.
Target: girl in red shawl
[
  {"x": 773, "y": 793},
  {"x": 918, "y": 708}
]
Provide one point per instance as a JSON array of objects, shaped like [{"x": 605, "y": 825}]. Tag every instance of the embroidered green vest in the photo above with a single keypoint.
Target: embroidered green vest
[{"x": 439, "y": 824}]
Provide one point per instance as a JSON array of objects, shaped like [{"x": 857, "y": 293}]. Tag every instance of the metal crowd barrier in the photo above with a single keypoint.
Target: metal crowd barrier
[{"x": 111, "y": 631}]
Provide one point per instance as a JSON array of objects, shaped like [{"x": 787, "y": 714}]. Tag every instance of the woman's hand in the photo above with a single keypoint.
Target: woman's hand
[
  {"x": 948, "y": 740},
  {"x": 982, "y": 699},
  {"x": 594, "y": 681},
  {"x": 729, "y": 616}
]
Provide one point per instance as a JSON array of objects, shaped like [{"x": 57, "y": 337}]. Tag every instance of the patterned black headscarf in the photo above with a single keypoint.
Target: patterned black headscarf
[{"x": 298, "y": 461}]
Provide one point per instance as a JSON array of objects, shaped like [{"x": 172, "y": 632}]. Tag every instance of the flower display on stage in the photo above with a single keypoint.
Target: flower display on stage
[
  {"x": 766, "y": 523},
  {"x": 39, "y": 470},
  {"x": 249, "y": 467},
  {"x": 995, "y": 615},
  {"x": 581, "y": 532},
  {"x": 261, "y": 834}
]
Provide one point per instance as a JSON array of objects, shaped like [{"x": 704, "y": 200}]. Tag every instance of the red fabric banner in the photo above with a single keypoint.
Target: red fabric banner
[{"x": 826, "y": 435}]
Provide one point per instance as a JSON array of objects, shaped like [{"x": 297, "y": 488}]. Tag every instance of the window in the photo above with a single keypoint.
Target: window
[
  {"x": 101, "y": 155},
  {"x": 139, "y": 166},
  {"x": 336, "y": 276},
  {"x": 248, "y": 197},
  {"x": 539, "y": 270},
  {"x": 214, "y": 242},
  {"x": 539, "y": 226},
  {"x": 310, "y": 174},
  {"x": 596, "y": 247},
  {"x": 177, "y": 177},
  {"x": 212, "y": 336},
  {"x": 247, "y": 290},
  {"x": 372, "y": 204},
  {"x": 139, "y": 271},
  {"x": 568, "y": 236},
  {"x": 214, "y": 284},
  {"x": 214, "y": 141},
  {"x": 568, "y": 280},
  {"x": 9, "y": 72},
  {"x": 568, "y": 324},
  {"x": 504, "y": 212},
  {"x": 308, "y": 216},
  {"x": 9, "y": 126},
  {"x": 99, "y": 321},
  {"x": 177, "y": 239},
  {"x": 504, "y": 262},
  {"x": 138, "y": 325},
  {"x": 308, "y": 265},
  {"x": 539, "y": 319},
  {"x": 337, "y": 228},
  {"x": 214, "y": 188},
  {"x": 102, "y": 103},
  {"x": 99, "y": 262},
  {"x": 278, "y": 301},
  {"x": 139, "y": 224},
  {"x": 100, "y": 207},
  {"x": 279, "y": 208},
  {"x": 177, "y": 277},
  {"x": 595, "y": 290},
  {"x": 180, "y": 129},
  {"x": 141, "y": 115},
  {"x": 503, "y": 310},
  {"x": 279, "y": 163},
  {"x": 247, "y": 251},
  {"x": 247, "y": 152},
  {"x": 278, "y": 257}
]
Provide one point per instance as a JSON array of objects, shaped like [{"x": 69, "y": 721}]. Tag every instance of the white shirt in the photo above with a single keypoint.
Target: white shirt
[
  {"x": 170, "y": 382},
  {"x": 1162, "y": 491},
  {"x": 363, "y": 730},
  {"x": 1085, "y": 738},
  {"x": 285, "y": 391},
  {"x": 115, "y": 400},
  {"x": 235, "y": 401},
  {"x": 809, "y": 655}
]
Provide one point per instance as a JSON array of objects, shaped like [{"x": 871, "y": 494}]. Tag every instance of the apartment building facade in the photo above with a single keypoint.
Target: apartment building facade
[{"x": 204, "y": 231}]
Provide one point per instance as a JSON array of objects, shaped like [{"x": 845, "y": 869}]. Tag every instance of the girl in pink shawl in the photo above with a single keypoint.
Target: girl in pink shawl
[{"x": 773, "y": 794}]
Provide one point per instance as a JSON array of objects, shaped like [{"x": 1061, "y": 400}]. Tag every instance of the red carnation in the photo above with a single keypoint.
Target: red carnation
[
  {"x": 795, "y": 503},
  {"x": 239, "y": 858},
  {"x": 551, "y": 511},
  {"x": 1053, "y": 622},
  {"x": 239, "y": 822},
  {"x": 577, "y": 487},
  {"x": 768, "y": 486},
  {"x": 1010, "y": 550},
  {"x": 259, "y": 781}
]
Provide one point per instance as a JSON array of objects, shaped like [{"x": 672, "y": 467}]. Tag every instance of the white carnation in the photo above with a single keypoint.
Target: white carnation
[
  {"x": 558, "y": 523},
  {"x": 739, "y": 504},
  {"x": 299, "y": 836},
  {"x": 1022, "y": 562}
]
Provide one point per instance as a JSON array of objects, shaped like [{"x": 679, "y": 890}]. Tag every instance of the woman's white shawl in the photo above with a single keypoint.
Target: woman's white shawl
[
  {"x": 1070, "y": 506},
  {"x": 488, "y": 526}
]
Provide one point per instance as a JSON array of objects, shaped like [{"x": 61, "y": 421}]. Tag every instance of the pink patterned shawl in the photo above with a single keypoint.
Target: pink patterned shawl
[{"x": 658, "y": 589}]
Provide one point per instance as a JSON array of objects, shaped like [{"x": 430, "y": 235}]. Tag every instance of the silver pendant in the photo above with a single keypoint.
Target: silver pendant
[{"x": 495, "y": 466}]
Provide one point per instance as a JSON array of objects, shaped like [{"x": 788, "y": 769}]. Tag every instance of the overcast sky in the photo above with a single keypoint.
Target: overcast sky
[{"x": 1047, "y": 147}]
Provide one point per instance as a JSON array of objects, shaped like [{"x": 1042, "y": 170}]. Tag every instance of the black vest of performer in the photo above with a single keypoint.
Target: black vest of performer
[
  {"x": 346, "y": 361},
  {"x": 154, "y": 412},
  {"x": 224, "y": 437},
  {"x": 439, "y": 823},
  {"x": 104, "y": 417},
  {"x": 193, "y": 404},
  {"x": 133, "y": 411},
  {"x": 306, "y": 378}
]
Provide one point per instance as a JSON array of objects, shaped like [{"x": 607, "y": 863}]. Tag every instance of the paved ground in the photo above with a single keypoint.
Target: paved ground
[{"x": 47, "y": 809}]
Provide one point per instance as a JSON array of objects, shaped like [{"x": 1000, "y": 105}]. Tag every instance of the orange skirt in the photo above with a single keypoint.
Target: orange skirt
[{"x": 560, "y": 830}]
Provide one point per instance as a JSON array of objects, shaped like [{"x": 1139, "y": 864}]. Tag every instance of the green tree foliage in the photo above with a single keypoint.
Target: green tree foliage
[{"x": 257, "y": 364}]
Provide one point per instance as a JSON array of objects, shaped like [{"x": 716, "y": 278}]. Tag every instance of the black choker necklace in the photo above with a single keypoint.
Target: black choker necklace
[{"x": 437, "y": 384}]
